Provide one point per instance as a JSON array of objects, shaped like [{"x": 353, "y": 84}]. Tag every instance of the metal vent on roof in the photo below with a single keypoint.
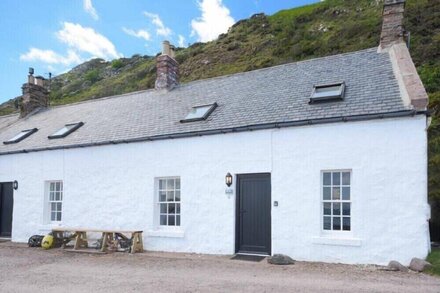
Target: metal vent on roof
[
  {"x": 328, "y": 92},
  {"x": 66, "y": 130},
  {"x": 22, "y": 135},
  {"x": 199, "y": 113}
]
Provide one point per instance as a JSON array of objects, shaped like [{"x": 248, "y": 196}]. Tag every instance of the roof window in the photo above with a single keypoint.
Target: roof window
[
  {"x": 199, "y": 113},
  {"x": 22, "y": 135},
  {"x": 328, "y": 92},
  {"x": 66, "y": 130}
]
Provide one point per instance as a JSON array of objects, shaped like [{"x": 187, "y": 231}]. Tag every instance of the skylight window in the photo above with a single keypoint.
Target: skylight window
[
  {"x": 66, "y": 130},
  {"x": 328, "y": 92},
  {"x": 22, "y": 135},
  {"x": 199, "y": 113}
]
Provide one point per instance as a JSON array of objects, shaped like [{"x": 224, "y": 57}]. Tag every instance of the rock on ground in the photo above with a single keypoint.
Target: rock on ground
[
  {"x": 419, "y": 265},
  {"x": 280, "y": 259},
  {"x": 397, "y": 266}
]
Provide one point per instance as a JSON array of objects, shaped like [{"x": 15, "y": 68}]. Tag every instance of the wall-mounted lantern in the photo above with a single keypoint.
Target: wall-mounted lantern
[
  {"x": 15, "y": 185},
  {"x": 228, "y": 179}
]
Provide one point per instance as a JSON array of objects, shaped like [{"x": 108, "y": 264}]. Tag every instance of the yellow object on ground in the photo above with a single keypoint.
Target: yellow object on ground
[{"x": 47, "y": 242}]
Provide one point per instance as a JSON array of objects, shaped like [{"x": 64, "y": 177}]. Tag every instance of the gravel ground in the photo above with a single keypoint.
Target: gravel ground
[{"x": 25, "y": 269}]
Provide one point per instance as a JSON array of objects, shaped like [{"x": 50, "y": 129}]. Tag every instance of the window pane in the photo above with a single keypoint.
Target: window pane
[
  {"x": 346, "y": 209},
  {"x": 177, "y": 183},
  {"x": 52, "y": 186},
  {"x": 162, "y": 184},
  {"x": 177, "y": 220},
  {"x": 346, "y": 224},
  {"x": 53, "y": 207},
  {"x": 59, "y": 207},
  {"x": 163, "y": 208},
  {"x": 162, "y": 195},
  {"x": 59, "y": 216},
  {"x": 346, "y": 193},
  {"x": 327, "y": 178},
  {"x": 171, "y": 221},
  {"x": 336, "y": 193},
  {"x": 346, "y": 178},
  {"x": 178, "y": 208},
  {"x": 327, "y": 193},
  {"x": 327, "y": 208},
  {"x": 336, "y": 209},
  {"x": 177, "y": 194},
  {"x": 51, "y": 196},
  {"x": 58, "y": 186},
  {"x": 327, "y": 223},
  {"x": 170, "y": 195},
  {"x": 171, "y": 208},
  {"x": 336, "y": 178},
  {"x": 163, "y": 220},
  {"x": 336, "y": 223},
  {"x": 170, "y": 184},
  {"x": 57, "y": 196}
]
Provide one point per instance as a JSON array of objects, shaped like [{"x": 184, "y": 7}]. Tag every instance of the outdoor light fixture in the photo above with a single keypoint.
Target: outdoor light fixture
[
  {"x": 15, "y": 185},
  {"x": 228, "y": 179}
]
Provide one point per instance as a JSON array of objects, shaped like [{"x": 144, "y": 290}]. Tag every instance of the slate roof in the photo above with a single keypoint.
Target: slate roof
[{"x": 277, "y": 95}]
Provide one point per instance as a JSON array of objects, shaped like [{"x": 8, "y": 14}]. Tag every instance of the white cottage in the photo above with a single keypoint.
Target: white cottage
[{"x": 327, "y": 159}]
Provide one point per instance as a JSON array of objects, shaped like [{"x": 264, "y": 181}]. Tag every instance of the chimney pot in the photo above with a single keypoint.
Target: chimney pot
[
  {"x": 167, "y": 68},
  {"x": 35, "y": 95}
]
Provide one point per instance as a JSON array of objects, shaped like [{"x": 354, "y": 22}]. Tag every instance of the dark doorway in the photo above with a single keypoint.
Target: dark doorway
[
  {"x": 6, "y": 206},
  {"x": 253, "y": 219}
]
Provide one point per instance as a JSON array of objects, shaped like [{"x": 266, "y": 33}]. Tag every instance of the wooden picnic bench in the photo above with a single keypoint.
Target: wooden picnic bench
[{"x": 108, "y": 238}]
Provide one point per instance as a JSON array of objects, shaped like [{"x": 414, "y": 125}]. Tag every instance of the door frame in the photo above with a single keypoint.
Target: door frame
[
  {"x": 237, "y": 210},
  {"x": 1, "y": 193}
]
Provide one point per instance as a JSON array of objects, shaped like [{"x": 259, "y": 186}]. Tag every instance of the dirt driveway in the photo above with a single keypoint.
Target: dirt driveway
[{"x": 25, "y": 269}]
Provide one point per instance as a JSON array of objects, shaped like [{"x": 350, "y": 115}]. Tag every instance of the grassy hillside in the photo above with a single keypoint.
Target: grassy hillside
[{"x": 325, "y": 28}]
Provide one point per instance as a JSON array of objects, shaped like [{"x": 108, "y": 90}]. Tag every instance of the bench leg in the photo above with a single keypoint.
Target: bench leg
[
  {"x": 81, "y": 240},
  {"x": 137, "y": 245},
  {"x": 107, "y": 238}
]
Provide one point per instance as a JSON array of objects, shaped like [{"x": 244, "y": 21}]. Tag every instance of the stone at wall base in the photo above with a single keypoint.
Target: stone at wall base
[
  {"x": 280, "y": 259},
  {"x": 419, "y": 265},
  {"x": 397, "y": 266}
]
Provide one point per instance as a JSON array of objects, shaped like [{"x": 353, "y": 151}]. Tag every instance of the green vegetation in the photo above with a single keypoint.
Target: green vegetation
[
  {"x": 92, "y": 76},
  {"x": 118, "y": 63},
  {"x": 321, "y": 29},
  {"x": 434, "y": 259}
]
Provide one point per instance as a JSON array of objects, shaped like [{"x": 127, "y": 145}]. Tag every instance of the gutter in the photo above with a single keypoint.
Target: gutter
[{"x": 351, "y": 118}]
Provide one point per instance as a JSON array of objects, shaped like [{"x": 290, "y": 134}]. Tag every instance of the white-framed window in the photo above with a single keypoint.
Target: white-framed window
[
  {"x": 336, "y": 200},
  {"x": 55, "y": 200},
  {"x": 168, "y": 201}
]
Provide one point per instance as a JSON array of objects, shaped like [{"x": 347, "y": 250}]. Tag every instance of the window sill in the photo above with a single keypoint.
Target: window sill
[
  {"x": 337, "y": 241},
  {"x": 166, "y": 233}
]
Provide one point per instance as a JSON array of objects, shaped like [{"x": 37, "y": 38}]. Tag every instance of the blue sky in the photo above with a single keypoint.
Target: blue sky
[{"x": 56, "y": 35}]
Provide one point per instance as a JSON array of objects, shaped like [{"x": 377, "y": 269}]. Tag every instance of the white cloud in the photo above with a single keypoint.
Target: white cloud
[
  {"x": 88, "y": 7},
  {"x": 215, "y": 20},
  {"x": 84, "y": 39},
  {"x": 141, "y": 34},
  {"x": 181, "y": 43},
  {"x": 50, "y": 57},
  {"x": 161, "y": 29}
]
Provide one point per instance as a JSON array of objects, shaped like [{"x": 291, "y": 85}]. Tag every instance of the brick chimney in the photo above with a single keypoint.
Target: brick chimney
[
  {"x": 35, "y": 94},
  {"x": 167, "y": 69},
  {"x": 392, "y": 27}
]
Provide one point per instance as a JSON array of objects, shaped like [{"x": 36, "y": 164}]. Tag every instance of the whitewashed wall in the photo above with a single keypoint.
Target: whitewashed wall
[{"x": 113, "y": 187}]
